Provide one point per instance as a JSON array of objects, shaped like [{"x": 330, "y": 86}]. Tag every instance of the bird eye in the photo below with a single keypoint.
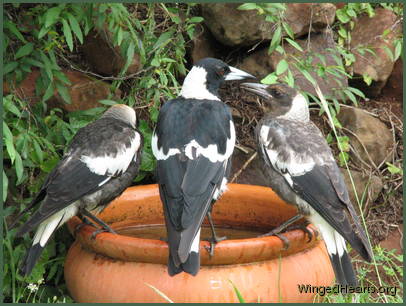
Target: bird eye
[
  {"x": 222, "y": 71},
  {"x": 276, "y": 93}
]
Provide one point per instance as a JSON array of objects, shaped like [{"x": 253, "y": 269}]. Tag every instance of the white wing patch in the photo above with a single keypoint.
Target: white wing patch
[
  {"x": 113, "y": 164},
  {"x": 159, "y": 153},
  {"x": 48, "y": 226},
  {"x": 196, "y": 243},
  {"x": 335, "y": 243},
  {"x": 211, "y": 151}
]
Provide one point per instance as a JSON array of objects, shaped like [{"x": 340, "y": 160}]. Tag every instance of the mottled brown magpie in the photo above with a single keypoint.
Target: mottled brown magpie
[
  {"x": 193, "y": 143},
  {"x": 302, "y": 171},
  {"x": 100, "y": 163}
]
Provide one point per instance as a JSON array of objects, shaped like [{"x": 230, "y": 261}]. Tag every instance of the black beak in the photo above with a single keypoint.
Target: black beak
[{"x": 258, "y": 89}]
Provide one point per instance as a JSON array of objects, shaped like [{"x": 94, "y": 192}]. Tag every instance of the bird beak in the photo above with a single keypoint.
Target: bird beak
[
  {"x": 256, "y": 88},
  {"x": 237, "y": 74}
]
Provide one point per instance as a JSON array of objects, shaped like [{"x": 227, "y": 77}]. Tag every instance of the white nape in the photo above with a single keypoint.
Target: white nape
[
  {"x": 196, "y": 243},
  {"x": 112, "y": 165},
  {"x": 299, "y": 110},
  {"x": 159, "y": 152},
  {"x": 194, "y": 85},
  {"x": 211, "y": 151}
]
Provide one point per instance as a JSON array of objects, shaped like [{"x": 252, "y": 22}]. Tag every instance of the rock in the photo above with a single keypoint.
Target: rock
[
  {"x": 261, "y": 64},
  {"x": 371, "y": 186},
  {"x": 394, "y": 241},
  {"x": 368, "y": 32},
  {"x": 203, "y": 45},
  {"x": 103, "y": 57},
  {"x": 233, "y": 27},
  {"x": 252, "y": 174},
  {"x": 85, "y": 92},
  {"x": 300, "y": 15},
  {"x": 372, "y": 132},
  {"x": 394, "y": 86}
]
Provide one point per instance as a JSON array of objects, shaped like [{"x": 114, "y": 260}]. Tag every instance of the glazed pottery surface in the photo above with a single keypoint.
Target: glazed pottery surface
[{"x": 121, "y": 268}]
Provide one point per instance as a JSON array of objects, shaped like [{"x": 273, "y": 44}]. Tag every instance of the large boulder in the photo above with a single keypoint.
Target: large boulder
[
  {"x": 103, "y": 57},
  {"x": 370, "y": 33},
  {"x": 85, "y": 92},
  {"x": 233, "y": 27},
  {"x": 202, "y": 45},
  {"x": 261, "y": 63},
  {"x": 367, "y": 187},
  {"x": 372, "y": 136}
]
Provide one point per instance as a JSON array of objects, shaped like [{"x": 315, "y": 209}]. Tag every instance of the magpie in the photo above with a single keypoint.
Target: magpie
[
  {"x": 100, "y": 163},
  {"x": 193, "y": 143},
  {"x": 302, "y": 171}
]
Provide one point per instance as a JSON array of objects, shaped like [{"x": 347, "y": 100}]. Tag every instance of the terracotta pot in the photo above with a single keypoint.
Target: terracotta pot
[{"x": 117, "y": 268}]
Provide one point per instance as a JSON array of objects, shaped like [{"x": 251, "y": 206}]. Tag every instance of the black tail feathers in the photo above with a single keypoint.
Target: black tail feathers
[
  {"x": 191, "y": 265},
  {"x": 30, "y": 259},
  {"x": 343, "y": 269}
]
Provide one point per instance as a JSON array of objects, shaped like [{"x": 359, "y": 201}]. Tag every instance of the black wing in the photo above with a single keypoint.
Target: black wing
[
  {"x": 301, "y": 155},
  {"x": 73, "y": 178},
  {"x": 188, "y": 180}
]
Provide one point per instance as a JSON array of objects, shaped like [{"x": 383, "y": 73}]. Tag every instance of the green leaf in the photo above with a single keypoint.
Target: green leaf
[
  {"x": 393, "y": 169},
  {"x": 119, "y": 36},
  {"x": 44, "y": 30},
  {"x": 33, "y": 62},
  {"x": 367, "y": 79},
  {"x": 196, "y": 19},
  {"x": 398, "y": 49},
  {"x": 163, "y": 39},
  {"x": 247, "y": 6},
  {"x": 64, "y": 92},
  {"x": 343, "y": 157},
  {"x": 108, "y": 102},
  {"x": 52, "y": 15},
  {"x": 9, "y": 67},
  {"x": 357, "y": 92},
  {"x": 276, "y": 38},
  {"x": 13, "y": 29},
  {"x": 38, "y": 150},
  {"x": 282, "y": 67},
  {"x": 5, "y": 186},
  {"x": 75, "y": 27},
  {"x": 24, "y": 50},
  {"x": 19, "y": 168},
  {"x": 237, "y": 292},
  {"x": 308, "y": 76},
  {"x": 342, "y": 16},
  {"x": 389, "y": 53},
  {"x": 68, "y": 34},
  {"x": 351, "y": 96},
  {"x": 294, "y": 44},
  {"x": 270, "y": 79},
  {"x": 49, "y": 92},
  {"x": 47, "y": 65},
  {"x": 9, "y": 142},
  {"x": 288, "y": 30}
]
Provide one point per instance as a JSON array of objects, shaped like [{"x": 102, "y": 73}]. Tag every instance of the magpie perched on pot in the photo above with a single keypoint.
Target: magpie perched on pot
[
  {"x": 100, "y": 163},
  {"x": 302, "y": 171},
  {"x": 193, "y": 143}
]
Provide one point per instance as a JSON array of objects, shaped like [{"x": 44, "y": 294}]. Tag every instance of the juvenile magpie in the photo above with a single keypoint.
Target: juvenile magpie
[
  {"x": 100, "y": 163},
  {"x": 302, "y": 171},
  {"x": 193, "y": 142}
]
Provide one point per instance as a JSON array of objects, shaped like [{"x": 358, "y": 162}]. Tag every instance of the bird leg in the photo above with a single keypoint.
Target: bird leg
[
  {"x": 85, "y": 221},
  {"x": 281, "y": 228},
  {"x": 214, "y": 238},
  {"x": 104, "y": 226}
]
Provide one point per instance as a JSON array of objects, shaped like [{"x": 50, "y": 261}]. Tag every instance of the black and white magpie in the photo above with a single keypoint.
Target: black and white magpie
[
  {"x": 193, "y": 143},
  {"x": 302, "y": 171},
  {"x": 100, "y": 163}
]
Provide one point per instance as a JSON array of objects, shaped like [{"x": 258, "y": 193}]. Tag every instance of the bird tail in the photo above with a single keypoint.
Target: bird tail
[
  {"x": 42, "y": 235},
  {"x": 337, "y": 251},
  {"x": 191, "y": 265}
]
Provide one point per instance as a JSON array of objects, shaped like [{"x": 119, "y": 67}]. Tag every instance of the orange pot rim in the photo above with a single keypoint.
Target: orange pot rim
[{"x": 231, "y": 251}]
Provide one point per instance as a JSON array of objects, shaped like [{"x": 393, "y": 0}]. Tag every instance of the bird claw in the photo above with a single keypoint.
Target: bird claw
[
  {"x": 285, "y": 241},
  {"x": 79, "y": 226},
  {"x": 213, "y": 241},
  {"x": 101, "y": 230}
]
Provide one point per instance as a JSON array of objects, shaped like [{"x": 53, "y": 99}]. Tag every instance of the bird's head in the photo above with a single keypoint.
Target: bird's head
[
  {"x": 206, "y": 77},
  {"x": 281, "y": 100},
  {"x": 122, "y": 112}
]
